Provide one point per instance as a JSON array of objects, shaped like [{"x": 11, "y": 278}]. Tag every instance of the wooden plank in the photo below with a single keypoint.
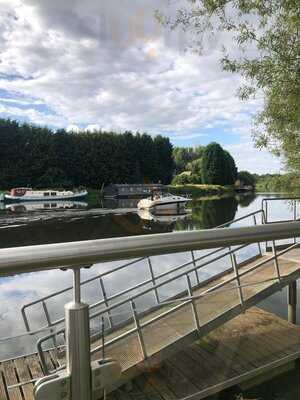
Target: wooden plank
[
  {"x": 160, "y": 386},
  {"x": 49, "y": 361},
  {"x": 34, "y": 366},
  {"x": 191, "y": 370},
  {"x": 176, "y": 381},
  {"x": 53, "y": 355},
  {"x": 122, "y": 395},
  {"x": 145, "y": 387},
  {"x": 10, "y": 377},
  {"x": 222, "y": 350},
  {"x": 24, "y": 376},
  {"x": 3, "y": 393}
]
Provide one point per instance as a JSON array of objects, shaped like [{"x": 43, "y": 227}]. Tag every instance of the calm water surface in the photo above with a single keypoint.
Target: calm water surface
[{"x": 48, "y": 224}]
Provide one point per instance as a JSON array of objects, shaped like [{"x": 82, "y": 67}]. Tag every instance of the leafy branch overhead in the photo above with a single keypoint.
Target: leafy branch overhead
[{"x": 264, "y": 47}]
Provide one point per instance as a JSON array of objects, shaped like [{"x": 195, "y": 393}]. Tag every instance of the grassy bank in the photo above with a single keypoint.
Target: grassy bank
[{"x": 202, "y": 190}]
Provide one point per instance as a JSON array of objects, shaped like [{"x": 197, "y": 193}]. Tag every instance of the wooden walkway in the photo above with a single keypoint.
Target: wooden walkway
[
  {"x": 238, "y": 351},
  {"x": 166, "y": 338}
]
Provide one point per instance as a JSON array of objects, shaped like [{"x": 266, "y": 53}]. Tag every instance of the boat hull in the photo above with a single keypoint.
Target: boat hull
[
  {"x": 176, "y": 206},
  {"x": 73, "y": 196}
]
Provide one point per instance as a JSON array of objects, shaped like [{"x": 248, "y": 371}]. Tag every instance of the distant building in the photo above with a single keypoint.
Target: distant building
[{"x": 131, "y": 190}]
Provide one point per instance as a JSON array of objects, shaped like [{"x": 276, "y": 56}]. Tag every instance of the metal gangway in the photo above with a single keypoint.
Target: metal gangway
[{"x": 200, "y": 303}]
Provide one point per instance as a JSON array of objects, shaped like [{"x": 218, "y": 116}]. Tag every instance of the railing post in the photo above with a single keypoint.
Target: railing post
[
  {"x": 237, "y": 276},
  {"x": 258, "y": 243},
  {"x": 139, "y": 329},
  {"x": 295, "y": 215},
  {"x": 194, "y": 262},
  {"x": 105, "y": 301},
  {"x": 276, "y": 261},
  {"x": 292, "y": 302},
  {"x": 194, "y": 309},
  {"x": 153, "y": 279},
  {"x": 78, "y": 344},
  {"x": 25, "y": 319}
]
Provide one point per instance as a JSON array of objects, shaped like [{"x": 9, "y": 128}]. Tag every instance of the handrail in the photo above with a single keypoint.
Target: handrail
[
  {"x": 264, "y": 207},
  {"x": 152, "y": 279},
  {"x": 75, "y": 254}
]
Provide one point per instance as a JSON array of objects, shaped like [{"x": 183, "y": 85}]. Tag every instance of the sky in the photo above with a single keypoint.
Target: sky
[{"x": 109, "y": 65}]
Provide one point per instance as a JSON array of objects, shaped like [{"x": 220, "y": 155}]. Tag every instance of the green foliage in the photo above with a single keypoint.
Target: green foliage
[
  {"x": 246, "y": 178},
  {"x": 38, "y": 157},
  {"x": 218, "y": 167},
  {"x": 197, "y": 191},
  {"x": 216, "y": 212},
  {"x": 265, "y": 50},
  {"x": 184, "y": 158},
  {"x": 230, "y": 169},
  {"x": 278, "y": 183}
]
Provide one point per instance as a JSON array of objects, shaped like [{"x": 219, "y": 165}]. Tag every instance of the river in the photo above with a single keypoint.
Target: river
[{"x": 48, "y": 224}]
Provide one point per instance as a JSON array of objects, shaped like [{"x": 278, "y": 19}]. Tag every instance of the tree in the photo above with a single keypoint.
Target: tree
[
  {"x": 230, "y": 169},
  {"x": 38, "y": 157},
  {"x": 267, "y": 53},
  {"x": 246, "y": 178},
  {"x": 164, "y": 151},
  {"x": 183, "y": 156},
  {"x": 218, "y": 166}
]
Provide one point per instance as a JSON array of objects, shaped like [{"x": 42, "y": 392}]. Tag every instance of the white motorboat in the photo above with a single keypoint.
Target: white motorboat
[
  {"x": 164, "y": 203},
  {"x": 27, "y": 194}
]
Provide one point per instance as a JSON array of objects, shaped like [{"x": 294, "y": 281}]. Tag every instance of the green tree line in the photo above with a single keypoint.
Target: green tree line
[
  {"x": 39, "y": 157},
  {"x": 204, "y": 165}
]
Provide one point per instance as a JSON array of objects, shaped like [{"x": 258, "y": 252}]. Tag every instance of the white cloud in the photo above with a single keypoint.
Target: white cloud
[
  {"x": 73, "y": 128},
  {"x": 251, "y": 159}
]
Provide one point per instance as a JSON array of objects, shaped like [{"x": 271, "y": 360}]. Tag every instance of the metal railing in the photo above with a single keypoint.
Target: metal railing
[
  {"x": 266, "y": 211},
  {"x": 74, "y": 255},
  {"x": 152, "y": 280},
  {"x": 267, "y": 214}
]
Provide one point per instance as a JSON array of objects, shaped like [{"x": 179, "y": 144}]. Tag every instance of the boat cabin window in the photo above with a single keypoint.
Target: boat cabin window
[
  {"x": 46, "y": 193},
  {"x": 53, "y": 193}
]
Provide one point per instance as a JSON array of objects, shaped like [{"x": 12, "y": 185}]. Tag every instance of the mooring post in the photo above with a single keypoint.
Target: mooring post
[
  {"x": 78, "y": 344},
  {"x": 292, "y": 302}
]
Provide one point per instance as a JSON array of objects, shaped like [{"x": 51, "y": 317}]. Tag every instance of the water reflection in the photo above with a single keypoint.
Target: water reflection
[
  {"x": 82, "y": 225},
  {"x": 209, "y": 214},
  {"x": 30, "y": 206}
]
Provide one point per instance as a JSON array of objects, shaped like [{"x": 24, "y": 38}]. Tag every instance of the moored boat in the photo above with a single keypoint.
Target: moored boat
[
  {"x": 164, "y": 203},
  {"x": 28, "y": 194}
]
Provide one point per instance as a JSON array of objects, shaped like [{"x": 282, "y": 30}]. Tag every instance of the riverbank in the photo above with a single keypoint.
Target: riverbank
[{"x": 197, "y": 191}]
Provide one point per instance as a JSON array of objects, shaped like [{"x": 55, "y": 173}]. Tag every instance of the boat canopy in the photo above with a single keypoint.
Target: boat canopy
[{"x": 18, "y": 191}]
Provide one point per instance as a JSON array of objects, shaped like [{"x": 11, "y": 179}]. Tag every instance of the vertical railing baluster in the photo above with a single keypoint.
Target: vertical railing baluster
[
  {"x": 25, "y": 319},
  {"x": 258, "y": 243},
  {"x": 194, "y": 308},
  {"x": 295, "y": 215},
  {"x": 153, "y": 279},
  {"x": 105, "y": 301},
  {"x": 138, "y": 328},
  {"x": 194, "y": 263},
  {"x": 46, "y": 313},
  {"x": 45, "y": 308},
  {"x": 237, "y": 276},
  {"x": 276, "y": 261}
]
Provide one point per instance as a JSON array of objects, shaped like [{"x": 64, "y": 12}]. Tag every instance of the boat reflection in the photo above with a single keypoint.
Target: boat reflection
[
  {"x": 30, "y": 206},
  {"x": 151, "y": 221}
]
